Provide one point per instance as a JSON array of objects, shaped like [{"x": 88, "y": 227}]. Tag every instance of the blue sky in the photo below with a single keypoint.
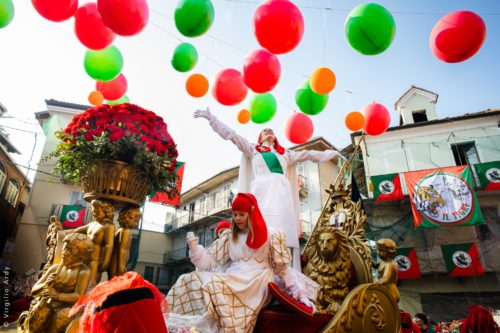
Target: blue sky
[{"x": 43, "y": 60}]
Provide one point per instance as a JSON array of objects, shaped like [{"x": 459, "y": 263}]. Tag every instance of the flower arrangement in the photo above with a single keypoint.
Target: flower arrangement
[{"x": 123, "y": 132}]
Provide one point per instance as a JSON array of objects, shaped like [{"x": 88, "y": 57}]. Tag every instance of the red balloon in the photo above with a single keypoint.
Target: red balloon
[
  {"x": 299, "y": 128},
  {"x": 457, "y": 36},
  {"x": 377, "y": 119},
  {"x": 55, "y": 10},
  {"x": 278, "y": 26},
  {"x": 114, "y": 89},
  {"x": 124, "y": 17},
  {"x": 229, "y": 88},
  {"x": 261, "y": 71},
  {"x": 89, "y": 28}
]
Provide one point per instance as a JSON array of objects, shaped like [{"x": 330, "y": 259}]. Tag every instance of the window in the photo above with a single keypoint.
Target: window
[
  {"x": 149, "y": 272},
  {"x": 465, "y": 153},
  {"x": 3, "y": 176},
  {"x": 12, "y": 192},
  {"x": 419, "y": 116}
]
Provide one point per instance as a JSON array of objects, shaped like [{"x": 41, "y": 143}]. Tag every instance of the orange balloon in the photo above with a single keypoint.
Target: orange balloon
[
  {"x": 355, "y": 121},
  {"x": 197, "y": 85},
  {"x": 243, "y": 116},
  {"x": 322, "y": 81},
  {"x": 96, "y": 98}
]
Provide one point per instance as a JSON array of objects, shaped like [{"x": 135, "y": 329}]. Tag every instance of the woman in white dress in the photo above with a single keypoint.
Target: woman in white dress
[
  {"x": 231, "y": 301},
  {"x": 269, "y": 172}
]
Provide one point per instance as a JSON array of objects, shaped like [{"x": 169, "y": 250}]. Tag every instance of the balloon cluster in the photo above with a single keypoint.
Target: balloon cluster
[
  {"x": 192, "y": 19},
  {"x": 96, "y": 26}
]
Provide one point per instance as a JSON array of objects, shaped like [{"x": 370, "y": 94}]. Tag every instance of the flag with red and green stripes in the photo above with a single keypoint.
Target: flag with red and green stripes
[
  {"x": 462, "y": 259},
  {"x": 406, "y": 262},
  {"x": 387, "y": 187},
  {"x": 72, "y": 216},
  {"x": 443, "y": 197},
  {"x": 489, "y": 175}
]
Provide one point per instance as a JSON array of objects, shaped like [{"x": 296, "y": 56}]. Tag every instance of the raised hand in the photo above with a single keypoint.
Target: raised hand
[
  {"x": 203, "y": 114},
  {"x": 192, "y": 241}
]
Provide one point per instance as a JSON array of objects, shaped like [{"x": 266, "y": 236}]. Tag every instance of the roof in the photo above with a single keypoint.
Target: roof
[
  {"x": 68, "y": 105},
  {"x": 412, "y": 88},
  {"x": 4, "y": 140},
  {"x": 480, "y": 114}
]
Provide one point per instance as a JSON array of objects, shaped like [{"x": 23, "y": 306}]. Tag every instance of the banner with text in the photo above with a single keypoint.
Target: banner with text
[{"x": 443, "y": 197}]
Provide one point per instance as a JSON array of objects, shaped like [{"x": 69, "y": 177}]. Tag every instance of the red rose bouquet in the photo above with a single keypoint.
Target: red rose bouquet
[{"x": 123, "y": 132}]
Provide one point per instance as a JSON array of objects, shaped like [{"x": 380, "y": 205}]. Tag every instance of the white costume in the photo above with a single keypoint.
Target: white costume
[
  {"x": 276, "y": 193},
  {"x": 232, "y": 300}
]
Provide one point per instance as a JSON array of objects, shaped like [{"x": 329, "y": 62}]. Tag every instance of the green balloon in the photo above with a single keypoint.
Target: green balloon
[
  {"x": 6, "y": 12},
  {"x": 123, "y": 99},
  {"x": 308, "y": 101},
  {"x": 370, "y": 29},
  {"x": 184, "y": 57},
  {"x": 262, "y": 108},
  {"x": 194, "y": 17},
  {"x": 103, "y": 65}
]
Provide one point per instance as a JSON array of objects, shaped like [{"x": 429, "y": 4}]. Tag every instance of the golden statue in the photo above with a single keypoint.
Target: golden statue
[
  {"x": 128, "y": 219},
  {"x": 54, "y": 252},
  {"x": 101, "y": 231},
  {"x": 387, "y": 271},
  {"x": 59, "y": 288},
  {"x": 330, "y": 266}
]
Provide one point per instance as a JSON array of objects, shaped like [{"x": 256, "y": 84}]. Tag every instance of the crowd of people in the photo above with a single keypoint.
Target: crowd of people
[{"x": 479, "y": 320}]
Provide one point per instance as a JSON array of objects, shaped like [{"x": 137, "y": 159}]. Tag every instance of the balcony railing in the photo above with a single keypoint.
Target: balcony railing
[
  {"x": 174, "y": 255},
  {"x": 190, "y": 217}
]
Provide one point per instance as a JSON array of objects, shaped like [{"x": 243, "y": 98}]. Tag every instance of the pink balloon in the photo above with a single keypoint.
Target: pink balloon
[
  {"x": 89, "y": 28},
  {"x": 377, "y": 119},
  {"x": 299, "y": 128},
  {"x": 114, "y": 89},
  {"x": 124, "y": 17},
  {"x": 55, "y": 10},
  {"x": 261, "y": 71},
  {"x": 278, "y": 26},
  {"x": 229, "y": 88},
  {"x": 457, "y": 36}
]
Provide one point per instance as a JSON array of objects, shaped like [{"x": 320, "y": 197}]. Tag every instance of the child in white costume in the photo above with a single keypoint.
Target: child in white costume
[
  {"x": 231, "y": 301},
  {"x": 269, "y": 172}
]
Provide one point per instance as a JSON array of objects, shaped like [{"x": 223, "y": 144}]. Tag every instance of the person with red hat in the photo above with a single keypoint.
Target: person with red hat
[
  {"x": 256, "y": 255},
  {"x": 221, "y": 226},
  {"x": 269, "y": 172}
]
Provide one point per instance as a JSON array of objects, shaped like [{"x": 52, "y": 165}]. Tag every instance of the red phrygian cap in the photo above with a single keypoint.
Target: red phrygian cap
[
  {"x": 279, "y": 148},
  {"x": 246, "y": 202}
]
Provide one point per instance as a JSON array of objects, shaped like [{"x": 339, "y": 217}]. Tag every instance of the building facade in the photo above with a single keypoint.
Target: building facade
[
  {"x": 208, "y": 203},
  {"x": 14, "y": 191},
  {"x": 422, "y": 142}
]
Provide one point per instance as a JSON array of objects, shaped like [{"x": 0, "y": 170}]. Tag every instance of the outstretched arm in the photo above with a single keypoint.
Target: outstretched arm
[
  {"x": 225, "y": 132},
  {"x": 313, "y": 155}
]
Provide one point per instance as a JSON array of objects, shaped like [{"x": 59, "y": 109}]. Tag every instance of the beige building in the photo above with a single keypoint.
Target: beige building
[
  {"x": 206, "y": 204},
  {"x": 423, "y": 141}
]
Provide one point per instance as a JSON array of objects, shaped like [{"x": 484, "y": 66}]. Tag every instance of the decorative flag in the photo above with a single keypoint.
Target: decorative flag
[
  {"x": 406, "y": 262},
  {"x": 462, "y": 259},
  {"x": 387, "y": 187},
  {"x": 489, "y": 175},
  {"x": 72, "y": 216},
  {"x": 443, "y": 198},
  {"x": 162, "y": 197}
]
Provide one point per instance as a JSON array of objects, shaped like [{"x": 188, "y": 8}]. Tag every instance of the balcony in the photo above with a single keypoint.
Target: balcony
[
  {"x": 174, "y": 255},
  {"x": 196, "y": 218}
]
